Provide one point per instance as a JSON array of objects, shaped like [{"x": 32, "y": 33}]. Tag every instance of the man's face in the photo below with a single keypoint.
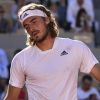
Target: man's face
[
  {"x": 87, "y": 84},
  {"x": 36, "y": 27},
  {"x": 80, "y": 2}
]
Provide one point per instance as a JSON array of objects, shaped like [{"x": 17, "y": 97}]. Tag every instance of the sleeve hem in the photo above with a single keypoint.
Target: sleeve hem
[
  {"x": 90, "y": 68},
  {"x": 16, "y": 85}
]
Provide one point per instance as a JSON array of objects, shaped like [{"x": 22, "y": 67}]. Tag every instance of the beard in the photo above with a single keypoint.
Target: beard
[{"x": 39, "y": 40}]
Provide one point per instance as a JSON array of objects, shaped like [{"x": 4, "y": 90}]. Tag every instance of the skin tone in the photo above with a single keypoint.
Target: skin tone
[
  {"x": 87, "y": 85},
  {"x": 95, "y": 72},
  {"x": 37, "y": 28}
]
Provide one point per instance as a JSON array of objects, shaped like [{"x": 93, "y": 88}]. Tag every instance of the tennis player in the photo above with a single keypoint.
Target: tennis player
[{"x": 49, "y": 66}]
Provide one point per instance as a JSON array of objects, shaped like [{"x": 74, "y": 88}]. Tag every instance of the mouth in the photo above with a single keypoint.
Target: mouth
[{"x": 34, "y": 33}]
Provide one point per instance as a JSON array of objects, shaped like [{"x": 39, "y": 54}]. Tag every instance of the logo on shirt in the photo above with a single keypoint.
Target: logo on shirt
[{"x": 63, "y": 53}]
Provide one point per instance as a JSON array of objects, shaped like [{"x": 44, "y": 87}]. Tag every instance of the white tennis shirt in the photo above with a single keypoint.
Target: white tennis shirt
[{"x": 52, "y": 74}]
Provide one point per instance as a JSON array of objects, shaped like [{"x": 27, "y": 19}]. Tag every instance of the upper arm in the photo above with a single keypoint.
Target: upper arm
[
  {"x": 17, "y": 75},
  {"x": 88, "y": 60},
  {"x": 12, "y": 93},
  {"x": 96, "y": 71}
]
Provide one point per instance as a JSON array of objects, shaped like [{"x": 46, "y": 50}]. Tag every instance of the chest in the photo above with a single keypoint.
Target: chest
[{"x": 52, "y": 64}]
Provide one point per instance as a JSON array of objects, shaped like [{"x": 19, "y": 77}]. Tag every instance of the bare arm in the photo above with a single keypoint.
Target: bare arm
[
  {"x": 12, "y": 93},
  {"x": 96, "y": 71}
]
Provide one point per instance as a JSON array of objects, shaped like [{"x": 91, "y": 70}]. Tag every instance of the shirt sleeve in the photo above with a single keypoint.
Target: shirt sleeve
[
  {"x": 17, "y": 77},
  {"x": 88, "y": 60}
]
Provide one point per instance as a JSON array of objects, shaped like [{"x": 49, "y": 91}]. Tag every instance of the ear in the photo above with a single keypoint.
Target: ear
[{"x": 47, "y": 20}]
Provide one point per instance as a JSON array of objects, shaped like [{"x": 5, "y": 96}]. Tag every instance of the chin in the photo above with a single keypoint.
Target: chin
[{"x": 37, "y": 39}]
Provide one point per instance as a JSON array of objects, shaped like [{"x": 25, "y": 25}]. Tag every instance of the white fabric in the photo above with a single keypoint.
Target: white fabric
[
  {"x": 3, "y": 64},
  {"x": 30, "y": 13},
  {"x": 73, "y": 9},
  {"x": 52, "y": 74},
  {"x": 82, "y": 95},
  {"x": 69, "y": 1}
]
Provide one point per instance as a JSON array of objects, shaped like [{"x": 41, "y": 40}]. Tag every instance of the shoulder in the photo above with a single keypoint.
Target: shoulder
[
  {"x": 80, "y": 91},
  {"x": 72, "y": 45},
  {"x": 71, "y": 42},
  {"x": 93, "y": 89},
  {"x": 88, "y": 3},
  {"x": 22, "y": 53},
  {"x": 72, "y": 2},
  {"x": 70, "y": 5}
]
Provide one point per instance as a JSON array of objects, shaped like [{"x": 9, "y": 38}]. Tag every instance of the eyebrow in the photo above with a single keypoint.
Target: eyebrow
[{"x": 30, "y": 21}]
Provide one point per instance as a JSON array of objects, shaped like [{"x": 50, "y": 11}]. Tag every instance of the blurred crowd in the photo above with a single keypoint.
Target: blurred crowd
[
  {"x": 86, "y": 90},
  {"x": 71, "y": 16},
  {"x": 75, "y": 16}
]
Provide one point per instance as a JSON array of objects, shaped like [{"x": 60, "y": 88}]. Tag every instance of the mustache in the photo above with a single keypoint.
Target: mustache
[{"x": 34, "y": 32}]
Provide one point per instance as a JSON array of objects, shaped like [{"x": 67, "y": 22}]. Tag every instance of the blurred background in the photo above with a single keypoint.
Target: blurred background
[{"x": 76, "y": 19}]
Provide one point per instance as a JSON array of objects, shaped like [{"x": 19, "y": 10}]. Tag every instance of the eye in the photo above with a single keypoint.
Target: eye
[
  {"x": 34, "y": 21},
  {"x": 27, "y": 28}
]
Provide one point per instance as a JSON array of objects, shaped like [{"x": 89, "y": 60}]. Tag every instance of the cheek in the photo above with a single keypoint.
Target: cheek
[{"x": 42, "y": 27}]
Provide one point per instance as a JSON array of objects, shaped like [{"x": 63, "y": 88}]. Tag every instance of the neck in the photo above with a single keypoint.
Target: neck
[{"x": 46, "y": 44}]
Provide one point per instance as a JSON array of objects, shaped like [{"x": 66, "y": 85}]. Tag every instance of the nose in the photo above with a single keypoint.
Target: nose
[{"x": 31, "y": 28}]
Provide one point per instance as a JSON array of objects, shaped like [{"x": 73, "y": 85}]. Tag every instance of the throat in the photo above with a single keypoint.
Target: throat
[{"x": 46, "y": 44}]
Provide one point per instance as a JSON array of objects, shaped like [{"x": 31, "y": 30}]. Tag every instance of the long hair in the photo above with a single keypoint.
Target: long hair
[
  {"x": 52, "y": 26},
  {"x": 78, "y": 17}
]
